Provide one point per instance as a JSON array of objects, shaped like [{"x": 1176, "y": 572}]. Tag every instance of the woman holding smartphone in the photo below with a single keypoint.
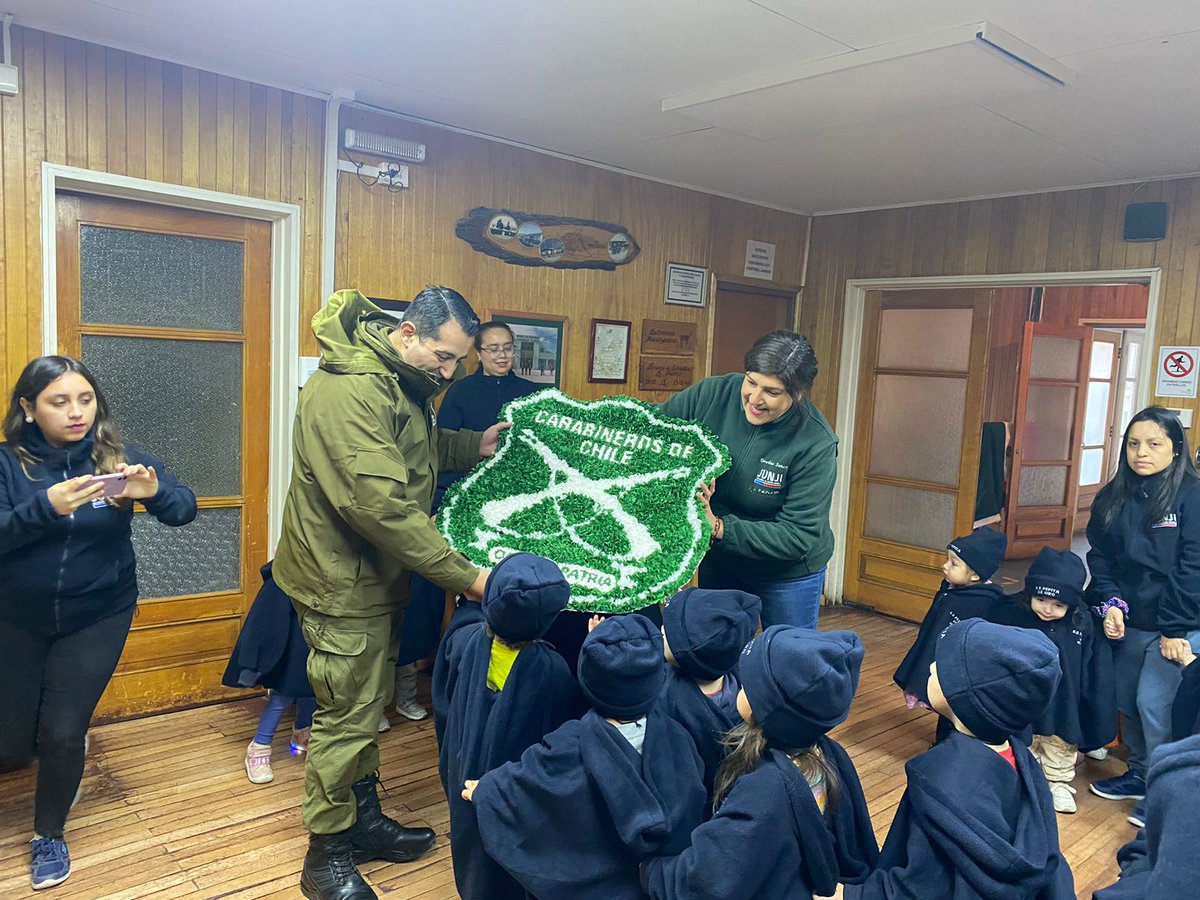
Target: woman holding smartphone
[{"x": 68, "y": 582}]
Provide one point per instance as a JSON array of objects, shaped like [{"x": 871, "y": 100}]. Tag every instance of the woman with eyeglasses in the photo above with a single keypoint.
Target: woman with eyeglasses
[{"x": 472, "y": 402}]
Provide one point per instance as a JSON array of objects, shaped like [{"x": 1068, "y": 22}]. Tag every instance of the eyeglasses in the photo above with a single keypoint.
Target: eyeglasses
[{"x": 500, "y": 349}]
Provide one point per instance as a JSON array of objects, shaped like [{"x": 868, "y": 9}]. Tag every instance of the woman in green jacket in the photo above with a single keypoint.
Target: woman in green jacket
[{"x": 770, "y": 512}]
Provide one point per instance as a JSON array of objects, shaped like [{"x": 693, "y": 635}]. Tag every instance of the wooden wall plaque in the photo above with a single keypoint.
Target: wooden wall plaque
[
  {"x": 665, "y": 373},
  {"x": 668, "y": 338}
]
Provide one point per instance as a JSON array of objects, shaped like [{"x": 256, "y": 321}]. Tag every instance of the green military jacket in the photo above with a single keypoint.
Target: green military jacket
[{"x": 364, "y": 467}]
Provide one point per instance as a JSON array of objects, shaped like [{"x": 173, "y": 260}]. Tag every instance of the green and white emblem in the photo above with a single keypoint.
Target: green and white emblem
[{"x": 606, "y": 489}]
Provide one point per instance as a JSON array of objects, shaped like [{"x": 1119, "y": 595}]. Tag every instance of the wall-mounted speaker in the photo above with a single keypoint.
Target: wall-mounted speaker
[{"x": 1145, "y": 221}]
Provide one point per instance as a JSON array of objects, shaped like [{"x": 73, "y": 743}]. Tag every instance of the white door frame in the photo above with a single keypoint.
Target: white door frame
[
  {"x": 285, "y": 290},
  {"x": 851, "y": 359}
]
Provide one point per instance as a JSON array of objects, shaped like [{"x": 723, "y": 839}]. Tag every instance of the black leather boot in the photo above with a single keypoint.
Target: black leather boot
[
  {"x": 375, "y": 836},
  {"x": 329, "y": 872}
]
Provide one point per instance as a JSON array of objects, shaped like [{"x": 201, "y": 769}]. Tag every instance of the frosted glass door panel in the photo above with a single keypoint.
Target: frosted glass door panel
[
  {"x": 205, "y": 557},
  {"x": 906, "y": 339},
  {"x": 1102, "y": 360},
  {"x": 930, "y": 452},
  {"x": 910, "y": 516},
  {"x": 1043, "y": 486},
  {"x": 180, "y": 400},
  {"x": 1090, "y": 467},
  {"x": 1056, "y": 358},
  {"x": 1049, "y": 419},
  {"x": 159, "y": 280},
  {"x": 1095, "y": 418}
]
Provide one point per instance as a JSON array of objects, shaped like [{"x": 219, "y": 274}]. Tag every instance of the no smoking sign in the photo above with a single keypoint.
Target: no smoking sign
[{"x": 1177, "y": 371}]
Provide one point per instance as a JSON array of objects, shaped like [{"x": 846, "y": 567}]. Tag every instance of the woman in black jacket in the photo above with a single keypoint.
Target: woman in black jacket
[
  {"x": 1145, "y": 564},
  {"x": 68, "y": 581}
]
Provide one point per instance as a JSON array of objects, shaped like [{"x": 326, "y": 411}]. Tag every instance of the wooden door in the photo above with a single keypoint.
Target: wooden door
[
  {"x": 1100, "y": 406},
  {"x": 743, "y": 314},
  {"x": 916, "y": 443},
  {"x": 171, "y": 310},
  {"x": 1051, "y": 391}
]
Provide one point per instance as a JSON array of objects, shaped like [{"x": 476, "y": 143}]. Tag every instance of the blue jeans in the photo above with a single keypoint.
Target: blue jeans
[
  {"x": 1146, "y": 686},
  {"x": 277, "y": 704},
  {"x": 791, "y": 602}
]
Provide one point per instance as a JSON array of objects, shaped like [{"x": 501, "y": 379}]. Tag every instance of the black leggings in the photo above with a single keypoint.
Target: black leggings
[{"x": 49, "y": 688}]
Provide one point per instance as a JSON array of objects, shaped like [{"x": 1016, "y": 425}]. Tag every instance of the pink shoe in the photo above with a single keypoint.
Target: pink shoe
[{"x": 258, "y": 763}]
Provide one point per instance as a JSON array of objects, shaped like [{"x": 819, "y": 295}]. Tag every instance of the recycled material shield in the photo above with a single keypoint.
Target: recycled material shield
[{"x": 606, "y": 489}]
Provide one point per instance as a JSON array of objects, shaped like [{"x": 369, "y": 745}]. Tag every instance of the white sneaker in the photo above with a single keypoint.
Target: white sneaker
[
  {"x": 411, "y": 709},
  {"x": 258, "y": 763},
  {"x": 1098, "y": 753},
  {"x": 384, "y": 724},
  {"x": 1063, "y": 795}
]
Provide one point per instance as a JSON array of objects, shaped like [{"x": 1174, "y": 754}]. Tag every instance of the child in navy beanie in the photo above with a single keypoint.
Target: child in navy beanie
[
  {"x": 577, "y": 813},
  {"x": 965, "y": 593},
  {"x": 504, "y": 690},
  {"x": 791, "y": 819},
  {"x": 704, "y": 632},
  {"x": 976, "y": 820},
  {"x": 1083, "y": 712}
]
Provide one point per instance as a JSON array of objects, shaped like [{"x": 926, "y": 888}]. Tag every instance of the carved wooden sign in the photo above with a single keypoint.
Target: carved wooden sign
[
  {"x": 529, "y": 239},
  {"x": 661, "y": 373},
  {"x": 668, "y": 338}
]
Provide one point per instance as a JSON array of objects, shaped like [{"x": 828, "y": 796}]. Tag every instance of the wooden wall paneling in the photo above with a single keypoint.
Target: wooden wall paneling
[
  {"x": 94, "y": 107},
  {"x": 1059, "y": 231}
]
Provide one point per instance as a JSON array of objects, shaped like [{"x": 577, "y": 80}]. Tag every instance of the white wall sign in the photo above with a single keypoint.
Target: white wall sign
[
  {"x": 1176, "y": 373},
  {"x": 685, "y": 284},
  {"x": 760, "y": 260}
]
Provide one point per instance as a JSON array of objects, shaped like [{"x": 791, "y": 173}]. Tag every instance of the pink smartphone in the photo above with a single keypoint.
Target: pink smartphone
[{"x": 110, "y": 485}]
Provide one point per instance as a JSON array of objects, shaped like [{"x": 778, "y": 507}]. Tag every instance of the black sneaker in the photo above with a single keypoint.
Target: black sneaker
[
  {"x": 375, "y": 836},
  {"x": 329, "y": 872},
  {"x": 1129, "y": 786}
]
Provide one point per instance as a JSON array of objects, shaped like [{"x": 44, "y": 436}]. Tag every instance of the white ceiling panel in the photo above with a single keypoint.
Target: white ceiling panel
[
  {"x": 1060, "y": 28},
  {"x": 589, "y": 79}
]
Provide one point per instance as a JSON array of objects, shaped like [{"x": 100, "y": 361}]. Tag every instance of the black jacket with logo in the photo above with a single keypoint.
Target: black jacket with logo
[
  {"x": 62, "y": 573},
  {"x": 1155, "y": 568}
]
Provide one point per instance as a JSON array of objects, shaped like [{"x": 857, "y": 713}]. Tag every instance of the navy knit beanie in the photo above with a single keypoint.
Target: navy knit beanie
[
  {"x": 982, "y": 550},
  {"x": 621, "y": 667},
  {"x": 1057, "y": 575},
  {"x": 706, "y": 630},
  {"x": 800, "y": 682},
  {"x": 523, "y": 596},
  {"x": 998, "y": 679}
]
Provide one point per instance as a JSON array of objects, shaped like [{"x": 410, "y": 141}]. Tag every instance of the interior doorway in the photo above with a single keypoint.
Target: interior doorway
[
  {"x": 171, "y": 309},
  {"x": 1054, "y": 417}
]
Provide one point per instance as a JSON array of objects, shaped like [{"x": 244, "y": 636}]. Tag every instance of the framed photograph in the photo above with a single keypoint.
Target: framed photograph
[
  {"x": 539, "y": 340},
  {"x": 686, "y": 285},
  {"x": 608, "y": 362}
]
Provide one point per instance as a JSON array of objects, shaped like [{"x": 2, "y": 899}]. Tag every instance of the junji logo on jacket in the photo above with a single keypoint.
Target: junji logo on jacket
[
  {"x": 1170, "y": 520},
  {"x": 771, "y": 476}
]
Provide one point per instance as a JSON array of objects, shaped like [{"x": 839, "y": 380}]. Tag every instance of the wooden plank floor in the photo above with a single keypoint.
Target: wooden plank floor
[{"x": 166, "y": 810}]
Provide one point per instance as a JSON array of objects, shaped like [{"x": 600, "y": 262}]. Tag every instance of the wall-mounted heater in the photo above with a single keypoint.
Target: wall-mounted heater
[
  {"x": 9, "y": 82},
  {"x": 381, "y": 145}
]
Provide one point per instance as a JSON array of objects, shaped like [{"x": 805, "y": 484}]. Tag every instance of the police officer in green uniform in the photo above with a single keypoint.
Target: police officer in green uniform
[{"x": 366, "y": 456}]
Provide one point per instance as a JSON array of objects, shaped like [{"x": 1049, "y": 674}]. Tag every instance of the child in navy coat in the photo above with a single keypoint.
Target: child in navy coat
[
  {"x": 509, "y": 691},
  {"x": 704, "y": 632},
  {"x": 965, "y": 593},
  {"x": 573, "y": 818},
  {"x": 1161, "y": 862},
  {"x": 976, "y": 820},
  {"x": 270, "y": 652},
  {"x": 791, "y": 820},
  {"x": 1083, "y": 711}
]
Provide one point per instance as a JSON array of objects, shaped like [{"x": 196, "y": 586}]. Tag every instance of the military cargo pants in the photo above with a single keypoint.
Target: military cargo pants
[{"x": 351, "y": 665}]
